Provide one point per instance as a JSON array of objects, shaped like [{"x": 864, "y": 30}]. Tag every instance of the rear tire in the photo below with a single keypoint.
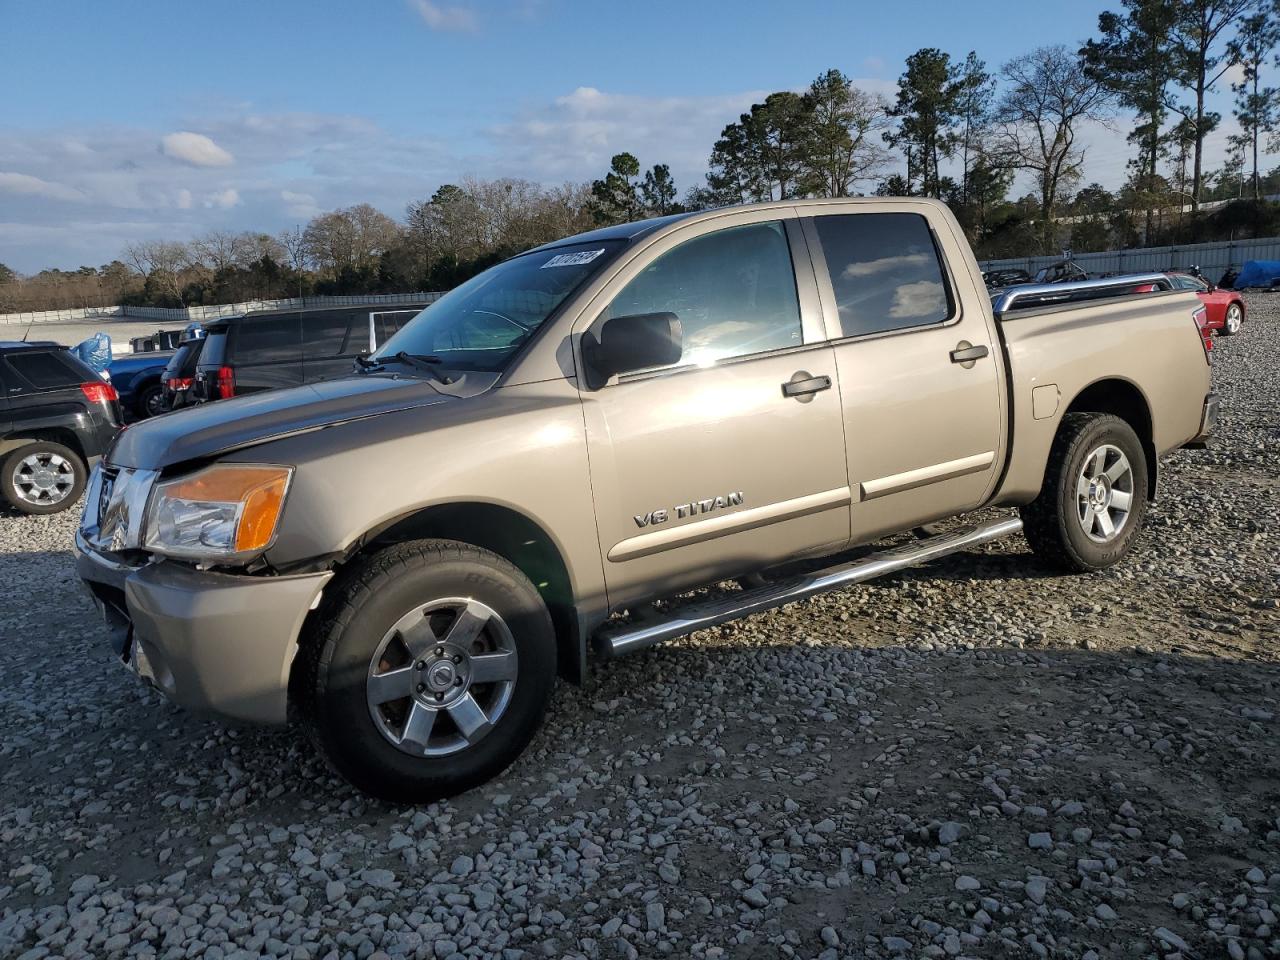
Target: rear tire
[
  {"x": 388, "y": 680},
  {"x": 150, "y": 402},
  {"x": 42, "y": 477},
  {"x": 1094, "y": 498}
]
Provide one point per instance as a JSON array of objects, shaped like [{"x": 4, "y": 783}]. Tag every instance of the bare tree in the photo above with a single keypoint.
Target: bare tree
[
  {"x": 219, "y": 250},
  {"x": 354, "y": 237},
  {"x": 1048, "y": 97},
  {"x": 161, "y": 263}
]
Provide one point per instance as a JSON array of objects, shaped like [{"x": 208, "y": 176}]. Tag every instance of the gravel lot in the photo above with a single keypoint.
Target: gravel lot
[{"x": 974, "y": 759}]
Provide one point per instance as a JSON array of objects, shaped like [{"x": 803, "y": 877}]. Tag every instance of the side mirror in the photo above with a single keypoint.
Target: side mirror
[{"x": 636, "y": 342}]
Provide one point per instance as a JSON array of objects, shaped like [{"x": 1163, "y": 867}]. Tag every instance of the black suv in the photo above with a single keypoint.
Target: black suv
[
  {"x": 180, "y": 372},
  {"x": 56, "y": 415},
  {"x": 264, "y": 351}
]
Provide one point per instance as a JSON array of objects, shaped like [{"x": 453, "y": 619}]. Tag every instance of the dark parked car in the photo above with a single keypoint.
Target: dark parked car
[
  {"x": 1005, "y": 278},
  {"x": 56, "y": 416},
  {"x": 160, "y": 340},
  {"x": 179, "y": 373},
  {"x": 263, "y": 351},
  {"x": 1063, "y": 271}
]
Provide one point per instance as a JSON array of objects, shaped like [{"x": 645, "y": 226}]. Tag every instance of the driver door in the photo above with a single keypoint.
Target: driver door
[{"x": 715, "y": 465}]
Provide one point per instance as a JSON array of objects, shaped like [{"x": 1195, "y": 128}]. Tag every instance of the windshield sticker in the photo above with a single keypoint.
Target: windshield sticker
[{"x": 573, "y": 259}]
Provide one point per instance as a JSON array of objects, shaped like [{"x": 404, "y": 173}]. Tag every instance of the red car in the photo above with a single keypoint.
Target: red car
[{"x": 1225, "y": 308}]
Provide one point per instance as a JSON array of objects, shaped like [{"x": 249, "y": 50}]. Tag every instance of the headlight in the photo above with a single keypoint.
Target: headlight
[{"x": 224, "y": 512}]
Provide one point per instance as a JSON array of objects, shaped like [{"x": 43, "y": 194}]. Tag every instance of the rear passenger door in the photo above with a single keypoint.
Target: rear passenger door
[
  {"x": 266, "y": 352},
  {"x": 921, "y": 385}
]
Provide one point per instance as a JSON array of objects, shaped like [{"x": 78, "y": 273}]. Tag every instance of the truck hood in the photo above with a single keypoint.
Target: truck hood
[{"x": 216, "y": 428}]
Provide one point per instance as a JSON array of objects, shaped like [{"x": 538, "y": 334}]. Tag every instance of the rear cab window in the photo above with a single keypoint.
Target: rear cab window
[{"x": 885, "y": 271}]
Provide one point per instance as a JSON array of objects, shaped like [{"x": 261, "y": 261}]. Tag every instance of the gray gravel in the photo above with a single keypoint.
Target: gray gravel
[{"x": 974, "y": 759}]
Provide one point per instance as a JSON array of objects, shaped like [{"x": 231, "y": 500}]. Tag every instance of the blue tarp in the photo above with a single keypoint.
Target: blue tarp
[
  {"x": 1257, "y": 273},
  {"x": 96, "y": 352}
]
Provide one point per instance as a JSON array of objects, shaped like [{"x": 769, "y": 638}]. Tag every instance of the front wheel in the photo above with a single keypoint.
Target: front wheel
[
  {"x": 428, "y": 670},
  {"x": 1233, "y": 321},
  {"x": 1094, "y": 497}
]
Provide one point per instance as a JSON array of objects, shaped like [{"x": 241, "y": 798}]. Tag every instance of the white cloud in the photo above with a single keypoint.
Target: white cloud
[
  {"x": 184, "y": 200},
  {"x": 26, "y": 184},
  {"x": 223, "y": 199},
  {"x": 299, "y": 204},
  {"x": 866, "y": 268},
  {"x": 440, "y": 17},
  {"x": 925, "y": 298},
  {"x": 195, "y": 149}
]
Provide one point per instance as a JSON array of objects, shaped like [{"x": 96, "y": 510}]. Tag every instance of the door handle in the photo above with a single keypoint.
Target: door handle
[
  {"x": 804, "y": 385},
  {"x": 966, "y": 354}
]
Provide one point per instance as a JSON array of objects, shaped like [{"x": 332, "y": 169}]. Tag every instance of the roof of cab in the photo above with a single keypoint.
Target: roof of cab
[{"x": 643, "y": 228}]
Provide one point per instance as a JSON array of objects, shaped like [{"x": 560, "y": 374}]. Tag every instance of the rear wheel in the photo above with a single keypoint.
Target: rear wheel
[
  {"x": 1233, "y": 321},
  {"x": 150, "y": 402},
  {"x": 42, "y": 477},
  {"x": 428, "y": 671},
  {"x": 1094, "y": 497}
]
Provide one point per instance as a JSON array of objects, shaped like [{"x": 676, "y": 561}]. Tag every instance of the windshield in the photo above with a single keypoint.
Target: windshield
[{"x": 481, "y": 324}]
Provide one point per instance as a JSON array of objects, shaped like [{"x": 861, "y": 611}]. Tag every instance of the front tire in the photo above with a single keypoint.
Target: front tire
[
  {"x": 1233, "y": 321},
  {"x": 427, "y": 671},
  {"x": 1094, "y": 497},
  {"x": 42, "y": 477}
]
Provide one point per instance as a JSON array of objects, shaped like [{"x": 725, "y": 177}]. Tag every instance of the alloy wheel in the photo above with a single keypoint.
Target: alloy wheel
[
  {"x": 442, "y": 677},
  {"x": 44, "y": 479},
  {"x": 1104, "y": 493}
]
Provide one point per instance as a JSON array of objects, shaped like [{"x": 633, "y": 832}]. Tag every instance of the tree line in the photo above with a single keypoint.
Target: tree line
[{"x": 957, "y": 130}]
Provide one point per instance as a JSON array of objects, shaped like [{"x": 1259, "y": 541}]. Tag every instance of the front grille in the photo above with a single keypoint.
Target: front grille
[
  {"x": 119, "y": 497},
  {"x": 106, "y": 481}
]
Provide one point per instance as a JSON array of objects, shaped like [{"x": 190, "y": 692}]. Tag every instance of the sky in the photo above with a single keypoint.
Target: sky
[{"x": 162, "y": 120}]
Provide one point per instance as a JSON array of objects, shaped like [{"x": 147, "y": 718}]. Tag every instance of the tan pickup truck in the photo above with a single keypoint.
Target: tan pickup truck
[{"x": 405, "y": 557}]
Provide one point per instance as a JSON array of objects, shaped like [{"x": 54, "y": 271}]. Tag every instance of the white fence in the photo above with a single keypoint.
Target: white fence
[
  {"x": 1211, "y": 258},
  {"x": 188, "y": 314}
]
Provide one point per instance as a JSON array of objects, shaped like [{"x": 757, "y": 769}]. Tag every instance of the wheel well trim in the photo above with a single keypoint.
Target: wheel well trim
[
  {"x": 1145, "y": 430},
  {"x": 567, "y": 608}
]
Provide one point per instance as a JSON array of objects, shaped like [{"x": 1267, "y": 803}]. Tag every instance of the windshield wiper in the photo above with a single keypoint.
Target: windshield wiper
[{"x": 423, "y": 361}]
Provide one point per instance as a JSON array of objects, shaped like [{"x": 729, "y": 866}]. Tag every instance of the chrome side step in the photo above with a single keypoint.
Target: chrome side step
[{"x": 655, "y": 627}]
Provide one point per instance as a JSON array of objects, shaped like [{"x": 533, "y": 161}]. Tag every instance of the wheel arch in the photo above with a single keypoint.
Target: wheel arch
[
  {"x": 63, "y": 435},
  {"x": 515, "y": 537},
  {"x": 1124, "y": 399}
]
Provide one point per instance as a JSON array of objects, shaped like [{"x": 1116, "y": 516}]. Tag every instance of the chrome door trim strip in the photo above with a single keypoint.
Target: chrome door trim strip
[
  {"x": 921, "y": 476},
  {"x": 728, "y": 523}
]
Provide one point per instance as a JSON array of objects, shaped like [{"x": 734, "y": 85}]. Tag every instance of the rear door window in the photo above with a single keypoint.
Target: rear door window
[
  {"x": 327, "y": 334},
  {"x": 885, "y": 271},
  {"x": 271, "y": 339},
  {"x": 47, "y": 370}
]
